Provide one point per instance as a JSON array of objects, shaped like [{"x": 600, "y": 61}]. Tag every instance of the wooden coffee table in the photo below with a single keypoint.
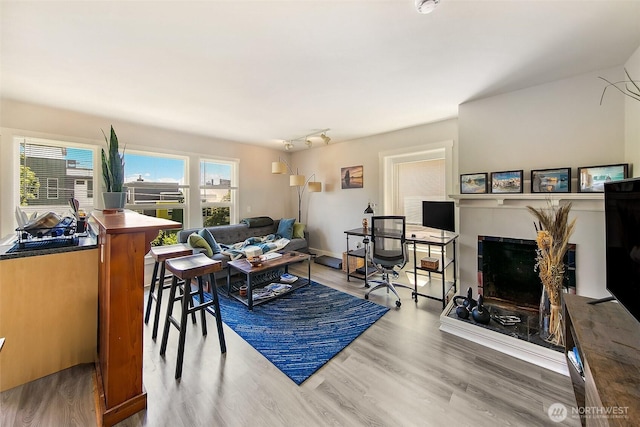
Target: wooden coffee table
[{"x": 243, "y": 266}]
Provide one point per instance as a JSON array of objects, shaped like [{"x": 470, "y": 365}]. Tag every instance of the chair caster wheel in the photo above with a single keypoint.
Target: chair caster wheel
[
  {"x": 366, "y": 296},
  {"x": 398, "y": 303}
]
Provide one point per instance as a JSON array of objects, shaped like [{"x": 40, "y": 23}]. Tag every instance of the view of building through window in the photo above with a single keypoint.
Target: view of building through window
[
  {"x": 156, "y": 187},
  {"x": 216, "y": 191},
  {"x": 51, "y": 173}
]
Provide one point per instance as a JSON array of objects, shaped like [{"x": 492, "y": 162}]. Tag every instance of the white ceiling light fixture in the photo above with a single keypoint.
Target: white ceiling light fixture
[
  {"x": 426, "y": 6},
  {"x": 309, "y": 143},
  {"x": 288, "y": 145},
  {"x": 325, "y": 138}
]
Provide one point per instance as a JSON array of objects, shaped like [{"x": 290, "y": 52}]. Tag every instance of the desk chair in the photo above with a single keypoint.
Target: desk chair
[{"x": 388, "y": 251}]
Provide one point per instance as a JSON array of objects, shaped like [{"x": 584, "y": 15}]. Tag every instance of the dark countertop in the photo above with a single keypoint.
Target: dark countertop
[{"x": 86, "y": 240}]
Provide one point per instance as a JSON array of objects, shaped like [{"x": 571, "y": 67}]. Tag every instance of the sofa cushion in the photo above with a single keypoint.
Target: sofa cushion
[
  {"x": 298, "y": 230},
  {"x": 199, "y": 242},
  {"x": 206, "y": 234},
  {"x": 285, "y": 228}
]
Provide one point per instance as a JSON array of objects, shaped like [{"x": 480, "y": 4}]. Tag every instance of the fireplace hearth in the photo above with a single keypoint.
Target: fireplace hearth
[{"x": 510, "y": 286}]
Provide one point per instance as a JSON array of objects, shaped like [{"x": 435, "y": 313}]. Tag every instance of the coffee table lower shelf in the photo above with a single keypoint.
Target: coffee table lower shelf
[{"x": 295, "y": 285}]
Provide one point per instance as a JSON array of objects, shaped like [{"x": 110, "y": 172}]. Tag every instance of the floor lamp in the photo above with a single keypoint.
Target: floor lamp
[{"x": 296, "y": 180}]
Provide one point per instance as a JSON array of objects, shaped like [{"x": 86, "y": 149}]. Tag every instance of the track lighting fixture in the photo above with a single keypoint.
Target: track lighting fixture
[
  {"x": 322, "y": 133},
  {"x": 426, "y": 6}
]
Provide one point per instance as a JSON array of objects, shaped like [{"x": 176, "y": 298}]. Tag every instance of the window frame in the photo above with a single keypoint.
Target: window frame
[{"x": 232, "y": 204}]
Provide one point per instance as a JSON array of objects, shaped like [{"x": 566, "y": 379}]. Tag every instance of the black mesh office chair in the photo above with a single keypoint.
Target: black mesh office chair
[{"x": 388, "y": 251}]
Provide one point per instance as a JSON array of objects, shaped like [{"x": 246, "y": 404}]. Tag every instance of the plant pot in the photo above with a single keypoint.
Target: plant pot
[{"x": 114, "y": 200}]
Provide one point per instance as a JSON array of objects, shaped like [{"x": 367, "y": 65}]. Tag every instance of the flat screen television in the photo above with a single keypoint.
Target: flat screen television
[
  {"x": 622, "y": 233},
  {"x": 439, "y": 215}
]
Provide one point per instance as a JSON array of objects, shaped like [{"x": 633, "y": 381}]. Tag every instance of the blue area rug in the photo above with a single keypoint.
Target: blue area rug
[{"x": 301, "y": 331}]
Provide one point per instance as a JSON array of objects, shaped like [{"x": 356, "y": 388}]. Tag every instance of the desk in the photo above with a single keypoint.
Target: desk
[{"x": 437, "y": 288}]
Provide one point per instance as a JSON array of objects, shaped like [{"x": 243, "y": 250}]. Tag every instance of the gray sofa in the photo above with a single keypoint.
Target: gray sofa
[{"x": 229, "y": 234}]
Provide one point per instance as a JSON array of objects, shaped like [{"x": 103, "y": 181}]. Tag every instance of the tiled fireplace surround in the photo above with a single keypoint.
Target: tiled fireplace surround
[{"x": 505, "y": 215}]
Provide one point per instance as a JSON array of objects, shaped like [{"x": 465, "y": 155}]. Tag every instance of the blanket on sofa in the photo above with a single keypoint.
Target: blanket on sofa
[{"x": 254, "y": 246}]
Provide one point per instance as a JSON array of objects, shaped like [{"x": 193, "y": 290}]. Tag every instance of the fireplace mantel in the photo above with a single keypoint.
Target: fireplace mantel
[{"x": 580, "y": 201}]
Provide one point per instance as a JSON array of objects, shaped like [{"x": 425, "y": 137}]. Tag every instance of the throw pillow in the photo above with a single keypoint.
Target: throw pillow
[
  {"x": 285, "y": 228},
  {"x": 298, "y": 231},
  {"x": 215, "y": 248},
  {"x": 197, "y": 241}
]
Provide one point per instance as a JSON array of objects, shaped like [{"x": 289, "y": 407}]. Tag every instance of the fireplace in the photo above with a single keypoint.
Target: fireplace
[
  {"x": 510, "y": 286},
  {"x": 507, "y": 276}
]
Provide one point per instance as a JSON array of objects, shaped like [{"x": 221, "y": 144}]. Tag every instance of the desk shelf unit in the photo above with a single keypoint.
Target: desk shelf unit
[
  {"x": 361, "y": 253},
  {"x": 438, "y": 286}
]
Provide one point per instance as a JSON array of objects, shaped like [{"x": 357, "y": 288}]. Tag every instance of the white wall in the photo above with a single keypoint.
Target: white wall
[
  {"x": 558, "y": 124},
  {"x": 329, "y": 213},
  {"x": 256, "y": 182},
  {"x": 632, "y": 117}
]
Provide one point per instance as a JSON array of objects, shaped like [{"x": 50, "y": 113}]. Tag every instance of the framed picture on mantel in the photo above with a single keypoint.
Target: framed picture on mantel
[
  {"x": 591, "y": 179},
  {"x": 473, "y": 183},
  {"x": 551, "y": 180},
  {"x": 506, "y": 182}
]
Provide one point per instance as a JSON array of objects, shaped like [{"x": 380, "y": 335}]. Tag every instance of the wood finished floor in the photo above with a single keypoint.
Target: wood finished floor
[{"x": 402, "y": 371}]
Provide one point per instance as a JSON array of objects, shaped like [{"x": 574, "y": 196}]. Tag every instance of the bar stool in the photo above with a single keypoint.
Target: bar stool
[
  {"x": 187, "y": 268},
  {"x": 161, "y": 254}
]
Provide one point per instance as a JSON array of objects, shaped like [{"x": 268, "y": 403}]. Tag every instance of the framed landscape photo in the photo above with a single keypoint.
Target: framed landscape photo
[
  {"x": 473, "y": 183},
  {"x": 352, "y": 177},
  {"x": 506, "y": 182},
  {"x": 591, "y": 179},
  {"x": 551, "y": 180}
]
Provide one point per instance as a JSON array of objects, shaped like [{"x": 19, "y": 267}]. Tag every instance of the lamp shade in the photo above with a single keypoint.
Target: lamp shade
[
  {"x": 296, "y": 180},
  {"x": 278, "y": 167},
  {"x": 368, "y": 210},
  {"x": 315, "y": 187}
]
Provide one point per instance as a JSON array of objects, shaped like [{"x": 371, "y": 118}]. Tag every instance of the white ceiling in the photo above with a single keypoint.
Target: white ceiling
[{"x": 263, "y": 71}]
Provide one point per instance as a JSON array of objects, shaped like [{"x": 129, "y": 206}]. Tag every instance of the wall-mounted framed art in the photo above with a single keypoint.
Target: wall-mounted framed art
[
  {"x": 474, "y": 183},
  {"x": 506, "y": 181},
  {"x": 556, "y": 180},
  {"x": 591, "y": 179},
  {"x": 352, "y": 177}
]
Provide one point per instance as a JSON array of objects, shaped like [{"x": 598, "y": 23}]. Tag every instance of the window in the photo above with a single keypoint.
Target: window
[
  {"x": 218, "y": 191},
  {"x": 52, "y": 188},
  {"x": 418, "y": 181},
  {"x": 156, "y": 187},
  {"x": 49, "y": 171}
]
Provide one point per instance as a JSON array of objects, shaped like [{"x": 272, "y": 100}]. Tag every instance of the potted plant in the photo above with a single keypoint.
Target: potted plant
[{"x": 113, "y": 173}]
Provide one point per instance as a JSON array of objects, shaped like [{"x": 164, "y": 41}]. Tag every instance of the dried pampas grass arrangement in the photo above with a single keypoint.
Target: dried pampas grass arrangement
[{"x": 553, "y": 232}]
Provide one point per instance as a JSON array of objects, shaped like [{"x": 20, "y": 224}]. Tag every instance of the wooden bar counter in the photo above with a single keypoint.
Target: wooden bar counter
[{"x": 124, "y": 238}]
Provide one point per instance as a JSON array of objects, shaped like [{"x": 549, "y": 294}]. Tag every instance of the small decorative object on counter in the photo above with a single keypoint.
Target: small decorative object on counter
[{"x": 365, "y": 224}]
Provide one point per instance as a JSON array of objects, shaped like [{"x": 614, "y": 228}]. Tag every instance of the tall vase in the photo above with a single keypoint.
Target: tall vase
[
  {"x": 545, "y": 315},
  {"x": 550, "y": 320}
]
